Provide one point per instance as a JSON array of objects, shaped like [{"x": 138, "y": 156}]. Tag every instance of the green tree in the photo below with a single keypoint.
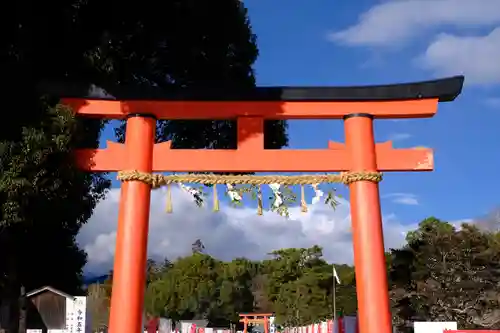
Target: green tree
[
  {"x": 444, "y": 274},
  {"x": 44, "y": 199},
  {"x": 299, "y": 285},
  {"x": 428, "y": 226},
  {"x": 201, "y": 287},
  {"x": 260, "y": 285},
  {"x": 44, "y": 202},
  {"x": 155, "y": 270},
  {"x": 218, "y": 50},
  {"x": 234, "y": 292},
  {"x": 187, "y": 290},
  {"x": 296, "y": 284}
]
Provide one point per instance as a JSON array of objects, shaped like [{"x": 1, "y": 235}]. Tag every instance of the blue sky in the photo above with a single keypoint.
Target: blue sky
[
  {"x": 293, "y": 38},
  {"x": 295, "y": 50},
  {"x": 321, "y": 43}
]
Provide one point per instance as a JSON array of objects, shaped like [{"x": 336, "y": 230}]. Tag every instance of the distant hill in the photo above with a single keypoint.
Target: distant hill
[{"x": 88, "y": 280}]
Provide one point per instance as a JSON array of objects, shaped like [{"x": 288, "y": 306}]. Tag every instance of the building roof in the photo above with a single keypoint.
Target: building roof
[{"x": 48, "y": 288}]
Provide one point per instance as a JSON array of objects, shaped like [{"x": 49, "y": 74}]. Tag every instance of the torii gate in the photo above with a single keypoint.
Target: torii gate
[
  {"x": 357, "y": 106},
  {"x": 255, "y": 318}
]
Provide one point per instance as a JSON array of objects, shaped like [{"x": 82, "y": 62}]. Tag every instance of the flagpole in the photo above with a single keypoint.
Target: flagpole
[
  {"x": 334, "y": 295},
  {"x": 334, "y": 301}
]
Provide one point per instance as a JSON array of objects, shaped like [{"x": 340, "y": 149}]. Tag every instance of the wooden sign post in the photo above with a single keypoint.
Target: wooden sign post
[{"x": 357, "y": 106}]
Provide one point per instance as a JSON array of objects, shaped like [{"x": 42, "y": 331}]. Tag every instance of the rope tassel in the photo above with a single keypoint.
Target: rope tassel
[
  {"x": 303, "y": 204},
  {"x": 215, "y": 198},
  {"x": 169, "y": 208},
  {"x": 259, "y": 201}
]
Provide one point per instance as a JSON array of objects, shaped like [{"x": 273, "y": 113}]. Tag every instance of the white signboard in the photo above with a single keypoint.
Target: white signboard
[
  {"x": 433, "y": 326},
  {"x": 272, "y": 325},
  {"x": 70, "y": 315},
  {"x": 77, "y": 316},
  {"x": 80, "y": 311}
]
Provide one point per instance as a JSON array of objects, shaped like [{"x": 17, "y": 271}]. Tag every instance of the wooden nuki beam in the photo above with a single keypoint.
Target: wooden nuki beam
[
  {"x": 172, "y": 110},
  {"x": 334, "y": 159}
]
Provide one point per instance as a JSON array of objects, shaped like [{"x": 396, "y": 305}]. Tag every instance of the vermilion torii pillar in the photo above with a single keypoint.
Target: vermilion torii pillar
[{"x": 357, "y": 106}]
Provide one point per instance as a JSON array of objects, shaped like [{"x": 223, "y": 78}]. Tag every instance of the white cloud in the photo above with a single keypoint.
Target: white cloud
[
  {"x": 399, "y": 136},
  {"x": 475, "y": 56},
  {"x": 402, "y": 198},
  {"x": 392, "y": 22},
  {"x": 229, "y": 233}
]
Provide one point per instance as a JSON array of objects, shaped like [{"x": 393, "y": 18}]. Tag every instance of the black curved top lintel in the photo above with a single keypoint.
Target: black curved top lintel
[{"x": 445, "y": 90}]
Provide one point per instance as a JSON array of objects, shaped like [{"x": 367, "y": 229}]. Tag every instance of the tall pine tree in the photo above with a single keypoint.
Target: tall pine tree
[{"x": 44, "y": 199}]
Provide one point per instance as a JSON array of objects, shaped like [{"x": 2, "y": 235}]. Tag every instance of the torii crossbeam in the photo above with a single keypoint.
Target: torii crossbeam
[{"x": 357, "y": 106}]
